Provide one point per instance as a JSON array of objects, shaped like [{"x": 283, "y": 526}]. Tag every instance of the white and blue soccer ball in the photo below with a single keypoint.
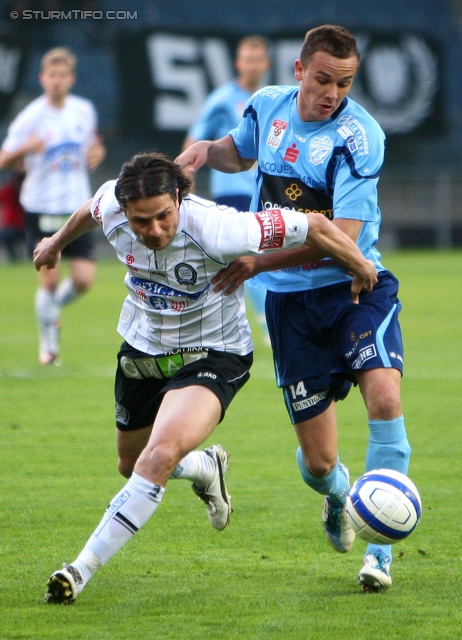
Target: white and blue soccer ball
[{"x": 383, "y": 506}]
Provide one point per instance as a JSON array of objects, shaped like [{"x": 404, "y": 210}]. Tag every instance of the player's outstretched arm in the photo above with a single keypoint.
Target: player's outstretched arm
[
  {"x": 48, "y": 251},
  {"x": 10, "y": 159},
  {"x": 219, "y": 154},
  {"x": 231, "y": 277},
  {"x": 326, "y": 237}
]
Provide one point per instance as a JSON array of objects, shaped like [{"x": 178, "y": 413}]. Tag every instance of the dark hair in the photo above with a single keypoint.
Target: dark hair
[
  {"x": 150, "y": 174},
  {"x": 334, "y": 40}
]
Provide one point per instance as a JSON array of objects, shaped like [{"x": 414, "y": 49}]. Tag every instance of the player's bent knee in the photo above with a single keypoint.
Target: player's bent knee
[
  {"x": 320, "y": 467},
  {"x": 125, "y": 467},
  {"x": 161, "y": 458}
]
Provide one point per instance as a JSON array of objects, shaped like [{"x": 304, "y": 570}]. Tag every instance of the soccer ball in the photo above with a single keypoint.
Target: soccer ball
[{"x": 383, "y": 506}]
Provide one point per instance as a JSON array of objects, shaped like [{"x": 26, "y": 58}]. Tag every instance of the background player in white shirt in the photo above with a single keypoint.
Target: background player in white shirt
[
  {"x": 187, "y": 348},
  {"x": 55, "y": 137}
]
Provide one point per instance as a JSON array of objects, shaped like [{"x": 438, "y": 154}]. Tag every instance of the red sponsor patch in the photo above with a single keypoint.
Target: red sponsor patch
[
  {"x": 96, "y": 211},
  {"x": 292, "y": 153},
  {"x": 273, "y": 228}
]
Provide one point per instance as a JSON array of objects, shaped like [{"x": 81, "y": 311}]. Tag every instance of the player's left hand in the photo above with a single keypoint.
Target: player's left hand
[{"x": 45, "y": 255}]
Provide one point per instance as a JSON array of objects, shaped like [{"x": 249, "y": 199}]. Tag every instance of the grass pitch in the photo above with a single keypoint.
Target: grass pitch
[{"x": 271, "y": 573}]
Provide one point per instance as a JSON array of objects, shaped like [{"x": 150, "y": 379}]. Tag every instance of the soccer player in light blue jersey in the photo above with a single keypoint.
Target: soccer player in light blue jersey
[
  {"x": 319, "y": 151},
  {"x": 221, "y": 112}
]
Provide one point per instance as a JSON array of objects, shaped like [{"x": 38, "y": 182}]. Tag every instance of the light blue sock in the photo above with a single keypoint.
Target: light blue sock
[
  {"x": 335, "y": 484},
  {"x": 388, "y": 449}
]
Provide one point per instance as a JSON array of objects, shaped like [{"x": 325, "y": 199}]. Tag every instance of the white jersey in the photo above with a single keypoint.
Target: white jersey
[
  {"x": 171, "y": 303},
  {"x": 57, "y": 180}
]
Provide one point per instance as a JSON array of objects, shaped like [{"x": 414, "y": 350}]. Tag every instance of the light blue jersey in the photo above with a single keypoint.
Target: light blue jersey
[
  {"x": 331, "y": 167},
  {"x": 221, "y": 112}
]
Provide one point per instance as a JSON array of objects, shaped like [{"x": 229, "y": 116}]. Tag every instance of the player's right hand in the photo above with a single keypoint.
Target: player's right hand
[
  {"x": 363, "y": 280},
  {"x": 46, "y": 255},
  {"x": 194, "y": 157}
]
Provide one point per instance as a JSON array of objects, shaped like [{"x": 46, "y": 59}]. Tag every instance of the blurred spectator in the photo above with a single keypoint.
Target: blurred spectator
[{"x": 12, "y": 217}]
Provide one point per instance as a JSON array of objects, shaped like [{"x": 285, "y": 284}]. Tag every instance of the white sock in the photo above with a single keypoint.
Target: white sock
[
  {"x": 129, "y": 511},
  {"x": 66, "y": 292},
  {"x": 48, "y": 312},
  {"x": 196, "y": 466}
]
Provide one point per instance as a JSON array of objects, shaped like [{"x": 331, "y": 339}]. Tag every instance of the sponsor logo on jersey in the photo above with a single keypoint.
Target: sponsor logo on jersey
[
  {"x": 293, "y": 192},
  {"x": 177, "y": 305},
  {"x": 163, "y": 290},
  {"x": 275, "y": 91},
  {"x": 141, "y": 294},
  {"x": 396, "y": 355},
  {"x": 97, "y": 212},
  {"x": 366, "y": 353},
  {"x": 185, "y": 274},
  {"x": 129, "y": 260},
  {"x": 291, "y": 153},
  {"x": 161, "y": 304},
  {"x": 349, "y": 137},
  {"x": 320, "y": 149},
  {"x": 310, "y": 402},
  {"x": 64, "y": 157},
  {"x": 273, "y": 228},
  {"x": 276, "y": 133},
  {"x": 158, "y": 303},
  {"x": 355, "y": 129}
]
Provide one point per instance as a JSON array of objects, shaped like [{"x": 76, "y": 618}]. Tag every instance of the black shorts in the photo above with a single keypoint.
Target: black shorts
[
  {"x": 41, "y": 225},
  {"x": 142, "y": 380}
]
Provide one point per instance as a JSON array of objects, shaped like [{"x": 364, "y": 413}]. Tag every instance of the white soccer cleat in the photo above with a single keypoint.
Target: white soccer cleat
[
  {"x": 64, "y": 586},
  {"x": 375, "y": 574},
  {"x": 335, "y": 524},
  {"x": 215, "y": 496}
]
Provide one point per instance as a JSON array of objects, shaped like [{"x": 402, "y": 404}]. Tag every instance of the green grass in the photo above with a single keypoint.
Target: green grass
[{"x": 271, "y": 573}]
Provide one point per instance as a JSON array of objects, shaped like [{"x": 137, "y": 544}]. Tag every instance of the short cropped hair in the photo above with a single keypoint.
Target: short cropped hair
[
  {"x": 151, "y": 174},
  {"x": 332, "y": 39},
  {"x": 59, "y": 55},
  {"x": 253, "y": 41}
]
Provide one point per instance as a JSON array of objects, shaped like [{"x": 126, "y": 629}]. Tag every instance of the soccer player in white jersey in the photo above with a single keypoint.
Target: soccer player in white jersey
[
  {"x": 318, "y": 150},
  {"x": 221, "y": 112},
  {"x": 56, "y": 139},
  {"x": 187, "y": 349}
]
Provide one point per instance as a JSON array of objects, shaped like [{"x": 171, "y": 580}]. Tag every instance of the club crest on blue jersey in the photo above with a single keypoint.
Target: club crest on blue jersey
[
  {"x": 320, "y": 149},
  {"x": 185, "y": 274}
]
